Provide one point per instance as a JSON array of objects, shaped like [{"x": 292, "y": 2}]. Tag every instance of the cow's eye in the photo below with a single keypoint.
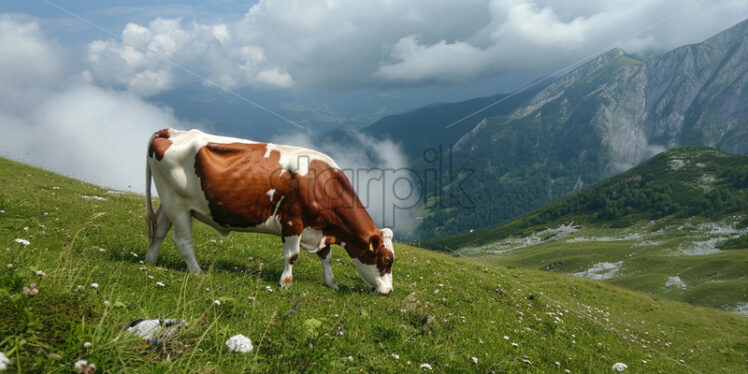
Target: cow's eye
[{"x": 388, "y": 261}]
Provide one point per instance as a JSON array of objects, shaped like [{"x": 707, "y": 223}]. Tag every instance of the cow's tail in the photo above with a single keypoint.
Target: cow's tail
[{"x": 150, "y": 216}]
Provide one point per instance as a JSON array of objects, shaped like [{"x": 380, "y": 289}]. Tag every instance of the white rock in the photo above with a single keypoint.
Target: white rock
[
  {"x": 4, "y": 362},
  {"x": 151, "y": 328},
  {"x": 620, "y": 367},
  {"x": 239, "y": 343}
]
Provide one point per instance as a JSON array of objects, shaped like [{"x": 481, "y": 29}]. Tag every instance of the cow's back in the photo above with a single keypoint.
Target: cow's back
[{"x": 228, "y": 183}]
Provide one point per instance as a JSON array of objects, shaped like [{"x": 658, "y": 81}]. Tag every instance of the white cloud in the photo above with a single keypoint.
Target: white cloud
[
  {"x": 331, "y": 44},
  {"x": 70, "y": 126}
]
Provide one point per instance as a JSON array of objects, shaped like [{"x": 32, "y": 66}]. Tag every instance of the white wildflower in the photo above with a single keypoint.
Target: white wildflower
[
  {"x": 269, "y": 289},
  {"x": 620, "y": 367},
  {"x": 160, "y": 284},
  {"x": 217, "y": 302},
  {"x": 80, "y": 287},
  {"x": 557, "y": 363},
  {"x": 106, "y": 302},
  {"x": 31, "y": 290},
  {"x": 4, "y": 362},
  {"x": 436, "y": 291},
  {"x": 515, "y": 345},
  {"x": 425, "y": 366},
  {"x": 239, "y": 343},
  {"x": 84, "y": 367},
  {"x": 134, "y": 254},
  {"x": 40, "y": 274},
  {"x": 95, "y": 286},
  {"x": 22, "y": 241},
  {"x": 506, "y": 337},
  {"x": 526, "y": 361},
  {"x": 350, "y": 358},
  {"x": 102, "y": 250},
  {"x": 395, "y": 356},
  {"x": 251, "y": 299},
  {"x": 87, "y": 345},
  {"x": 26, "y": 228},
  {"x": 474, "y": 359},
  {"x": 9, "y": 266},
  {"x": 55, "y": 188}
]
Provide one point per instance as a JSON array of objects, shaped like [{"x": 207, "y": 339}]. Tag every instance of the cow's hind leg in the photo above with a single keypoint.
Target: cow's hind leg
[
  {"x": 325, "y": 255},
  {"x": 290, "y": 254},
  {"x": 183, "y": 239},
  {"x": 163, "y": 224}
]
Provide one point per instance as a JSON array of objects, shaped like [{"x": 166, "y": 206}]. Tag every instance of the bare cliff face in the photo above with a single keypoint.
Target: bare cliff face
[{"x": 601, "y": 119}]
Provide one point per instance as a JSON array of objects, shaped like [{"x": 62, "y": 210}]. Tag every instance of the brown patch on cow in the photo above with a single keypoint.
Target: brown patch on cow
[
  {"x": 235, "y": 179},
  {"x": 292, "y": 259},
  {"x": 287, "y": 280},
  {"x": 159, "y": 144},
  {"x": 324, "y": 252}
]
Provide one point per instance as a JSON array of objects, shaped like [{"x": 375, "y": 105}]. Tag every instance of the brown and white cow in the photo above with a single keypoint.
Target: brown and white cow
[{"x": 233, "y": 184}]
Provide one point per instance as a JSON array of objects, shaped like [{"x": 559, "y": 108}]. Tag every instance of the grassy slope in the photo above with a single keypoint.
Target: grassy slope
[
  {"x": 470, "y": 315},
  {"x": 653, "y": 254}
]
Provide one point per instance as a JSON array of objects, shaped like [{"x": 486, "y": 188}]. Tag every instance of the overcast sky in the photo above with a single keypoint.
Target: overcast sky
[{"x": 74, "y": 97}]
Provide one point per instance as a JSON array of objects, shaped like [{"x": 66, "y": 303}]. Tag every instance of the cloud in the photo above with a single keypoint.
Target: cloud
[
  {"x": 65, "y": 124},
  {"x": 316, "y": 44},
  {"x": 147, "y": 57}
]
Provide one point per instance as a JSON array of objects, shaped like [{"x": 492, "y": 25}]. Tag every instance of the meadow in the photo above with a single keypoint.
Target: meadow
[{"x": 448, "y": 312}]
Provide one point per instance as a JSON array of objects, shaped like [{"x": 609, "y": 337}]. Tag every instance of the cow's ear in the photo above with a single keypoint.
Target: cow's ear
[{"x": 375, "y": 242}]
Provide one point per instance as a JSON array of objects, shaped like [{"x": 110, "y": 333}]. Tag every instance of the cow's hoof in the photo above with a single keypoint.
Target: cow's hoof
[
  {"x": 285, "y": 282},
  {"x": 333, "y": 286}
]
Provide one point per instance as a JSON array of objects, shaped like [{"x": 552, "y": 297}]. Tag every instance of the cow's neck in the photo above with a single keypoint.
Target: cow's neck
[{"x": 355, "y": 224}]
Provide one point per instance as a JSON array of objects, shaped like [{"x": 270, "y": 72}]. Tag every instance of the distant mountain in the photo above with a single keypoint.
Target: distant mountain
[
  {"x": 599, "y": 120},
  {"x": 681, "y": 183},
  {"x": 675, "y": 226},
  {"x": 437, "y": 124}
]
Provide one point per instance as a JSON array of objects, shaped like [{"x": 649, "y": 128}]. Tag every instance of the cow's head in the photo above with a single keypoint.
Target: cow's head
[{"x": 375, "y": 262}]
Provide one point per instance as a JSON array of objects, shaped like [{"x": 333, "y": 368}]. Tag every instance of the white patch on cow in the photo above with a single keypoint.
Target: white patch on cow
[
  {"x": 370, "y": 276},
  {"x": 387, "y": 237},
  {"x": 342, "y": 244},
  {"x": 297, "y": 159},
  {"x": 270, "y": 194},
  {"x": 312, "y": 240},
  {"x": 290, "y": 223}
]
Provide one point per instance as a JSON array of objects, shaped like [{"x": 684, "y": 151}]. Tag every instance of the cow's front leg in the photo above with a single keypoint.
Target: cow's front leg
[
  {"x": 325, "y": 255},
  {"x": 290, "y": 254}
]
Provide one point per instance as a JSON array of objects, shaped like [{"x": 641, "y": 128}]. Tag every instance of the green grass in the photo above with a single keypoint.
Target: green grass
[
  {"x": 476, "y": 306},
  {"x": 687, "y": 186}
]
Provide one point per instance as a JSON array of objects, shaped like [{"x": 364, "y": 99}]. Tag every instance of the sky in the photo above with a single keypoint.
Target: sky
[{"x": 76, "y": 77}]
